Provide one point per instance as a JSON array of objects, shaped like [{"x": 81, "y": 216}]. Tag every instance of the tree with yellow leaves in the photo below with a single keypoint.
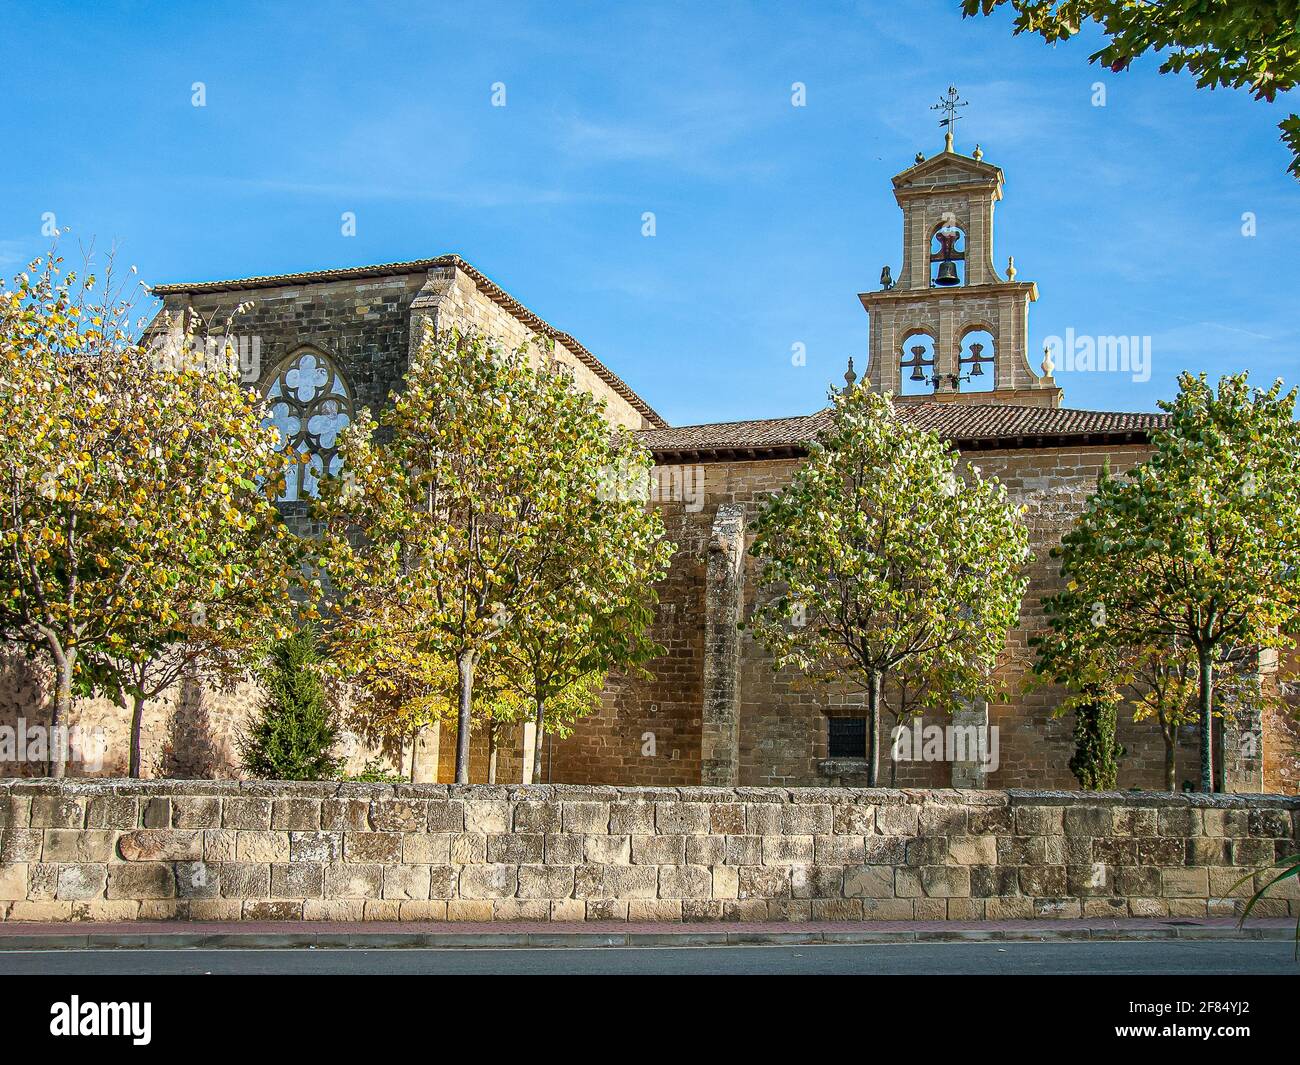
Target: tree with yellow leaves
[
  {"x": 486, "y": 478},
  {"x": 138, "y": 499}
]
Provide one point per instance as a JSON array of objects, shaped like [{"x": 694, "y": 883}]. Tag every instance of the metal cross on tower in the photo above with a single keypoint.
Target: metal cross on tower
[{"x": 948, "y": 105}]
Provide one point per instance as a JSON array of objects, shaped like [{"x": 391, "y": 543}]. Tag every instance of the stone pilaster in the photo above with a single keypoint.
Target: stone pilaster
[
  {"x": 971, "y": 772},
  {"x": 428, "y": 302},
  {"x": 425, "y": 755},
  {"x": 1241, "y": 746},
  {"x": 724, "y": 594}
]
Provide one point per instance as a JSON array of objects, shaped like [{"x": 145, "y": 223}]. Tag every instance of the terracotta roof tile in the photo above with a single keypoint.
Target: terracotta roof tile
[{"x": 964, "y": 424}]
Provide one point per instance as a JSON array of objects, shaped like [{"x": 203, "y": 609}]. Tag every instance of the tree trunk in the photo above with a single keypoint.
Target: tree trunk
[
  {"x": 60, "y": 713},
  {"x": 1171, "y": 750},
  {"x": 137, "y": 723},
  {"x": 1207, "y": 720},
  {"x": 492, "y": 752},
  {"x": 465, "y": 672},
  {"x": 873, "y": 727},
  {"x": 538, "y": 721},
  {"x": 893, "y": 751}
]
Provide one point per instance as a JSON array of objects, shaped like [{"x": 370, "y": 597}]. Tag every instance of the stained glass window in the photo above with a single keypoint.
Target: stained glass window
[{"x": 310, "y": 407}]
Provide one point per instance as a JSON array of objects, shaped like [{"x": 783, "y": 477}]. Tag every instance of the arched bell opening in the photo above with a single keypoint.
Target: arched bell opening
[
  {"x": 916, "y": 363},
  {"x": 948, "y": 256},
  {"x": 977, "y": 361}
]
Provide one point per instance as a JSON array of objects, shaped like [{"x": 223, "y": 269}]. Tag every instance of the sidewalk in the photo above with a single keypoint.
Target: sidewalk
[{"x": 261, "y": 935}]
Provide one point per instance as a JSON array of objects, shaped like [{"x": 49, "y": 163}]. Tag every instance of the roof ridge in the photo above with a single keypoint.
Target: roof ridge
[
  {"x": 1028, "y": 407},
  {"x": 750, "y": 421}
]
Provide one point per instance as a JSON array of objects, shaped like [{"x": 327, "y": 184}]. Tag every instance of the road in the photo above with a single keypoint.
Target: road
[{"x": 1205, "y": 957}]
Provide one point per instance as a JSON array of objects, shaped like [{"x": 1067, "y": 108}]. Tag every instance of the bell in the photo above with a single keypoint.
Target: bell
[
  {"x": 917, "y": 373},
  {"x": 947, "y": 274},
  {"x": 977, "y": 370}
]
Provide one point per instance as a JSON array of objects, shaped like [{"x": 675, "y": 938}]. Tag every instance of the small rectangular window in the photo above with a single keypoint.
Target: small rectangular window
[{"x": 847, "y": 737}]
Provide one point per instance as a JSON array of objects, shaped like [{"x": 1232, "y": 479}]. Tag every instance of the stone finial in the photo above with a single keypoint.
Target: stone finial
[
  {"x": 1048, "y": 364},
  {"x": 849, "y": 376},
  {"x": 1011, "y": 267},
  {"x": 920, "y": 157},
  {"x": 886, "y": 278},
  {"x": 947, "y": 141},
  {"x": 978, "y": 153}
]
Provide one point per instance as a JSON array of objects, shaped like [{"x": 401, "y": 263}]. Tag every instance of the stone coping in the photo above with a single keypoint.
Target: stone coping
[{"x": 606, "y": 793}]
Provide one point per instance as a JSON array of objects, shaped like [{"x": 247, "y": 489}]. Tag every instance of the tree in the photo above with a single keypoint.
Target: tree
[
  {"x": 293, "y": 734},
  {"x": 137, "y": 494},
  {"x": 1163, "y": 687},
  {"x": 1237, "y": 44},
  {"x": 596, "y": 599},
  {"x": 1199, "y": 546},
  {"x": 882, "y": 554},
  {"x": 396, "y": 689},
  {"x": 481, "y": 485},
  {"x": 1095, "y": 763}
]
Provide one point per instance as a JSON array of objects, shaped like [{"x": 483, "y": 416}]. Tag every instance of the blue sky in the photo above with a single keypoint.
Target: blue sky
[{"x": 769, "y": 218}]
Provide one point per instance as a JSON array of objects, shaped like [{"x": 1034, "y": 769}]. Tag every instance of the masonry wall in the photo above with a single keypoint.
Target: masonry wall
[
  {"x": 119, "y": 850},
  {"x": 782, "y": 720},
  {"x": 365, "y": 326}
]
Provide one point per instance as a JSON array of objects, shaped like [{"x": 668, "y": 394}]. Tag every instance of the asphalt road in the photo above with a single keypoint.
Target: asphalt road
[{"x": 1204, "y": 957}]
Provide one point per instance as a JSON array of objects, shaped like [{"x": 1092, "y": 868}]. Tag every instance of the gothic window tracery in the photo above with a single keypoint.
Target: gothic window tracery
[{"x": 311, "y": 405}]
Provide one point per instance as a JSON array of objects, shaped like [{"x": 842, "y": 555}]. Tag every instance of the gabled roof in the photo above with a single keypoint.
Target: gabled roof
[
  {"x": 485, "y": 284},
  {"x": 948, "y": 168},
  {"x": 968, "y": 426}
]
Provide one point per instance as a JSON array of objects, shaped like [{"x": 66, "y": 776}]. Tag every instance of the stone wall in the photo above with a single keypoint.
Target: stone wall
[
  {"x": 367, "y": 328},
  {"x": 781, "y": 720},
  {"x": 123, "y": 850}
]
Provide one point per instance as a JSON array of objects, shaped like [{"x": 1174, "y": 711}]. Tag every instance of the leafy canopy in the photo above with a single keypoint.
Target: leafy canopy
[
  {"x": 1237, "y": 44},
  {"x": 884, "y": 555},
  {"x": 1197, "y": 549},
  {"x": 476, "y": 517},
  {"x": 138, "y": 493}
]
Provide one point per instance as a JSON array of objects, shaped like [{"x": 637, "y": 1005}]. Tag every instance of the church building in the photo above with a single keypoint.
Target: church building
[{"x": 947, "y": 334}]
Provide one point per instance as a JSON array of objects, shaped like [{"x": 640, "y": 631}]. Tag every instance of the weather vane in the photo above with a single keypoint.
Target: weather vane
[{"x": 948, "y": 105}]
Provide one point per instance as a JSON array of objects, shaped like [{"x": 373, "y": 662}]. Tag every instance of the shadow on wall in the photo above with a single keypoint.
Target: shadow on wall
[
  {"x": 24, "y": 702},
  {"x": 188, "y": 733},
  {"x": 191, "y": 751}
]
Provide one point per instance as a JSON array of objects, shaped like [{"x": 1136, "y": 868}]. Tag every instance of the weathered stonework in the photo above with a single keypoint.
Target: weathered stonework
[
  {"x": 712, "y": 710},
  {"x": 723, "y": 598},
  {"x": 424, "y": 852}
]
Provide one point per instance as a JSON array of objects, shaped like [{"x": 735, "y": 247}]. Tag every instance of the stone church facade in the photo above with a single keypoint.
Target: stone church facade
[{"x": 948, "y": 336}]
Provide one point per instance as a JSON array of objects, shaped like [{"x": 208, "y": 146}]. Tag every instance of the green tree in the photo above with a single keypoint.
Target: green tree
[
  {"x": 1095, "y": 763},
  {"x": 596, "y": 599},
  {"x": 484, "y": 482},
  {"x": 881, "y": 553},
  {"x": 1236, "y": 44},
  {"x": 1199, "y": 546},
  {"x": 138, "y": 488},
  {"x": 293, "y": 733}
]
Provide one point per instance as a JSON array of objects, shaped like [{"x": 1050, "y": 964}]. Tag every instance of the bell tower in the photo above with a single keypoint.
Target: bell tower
[{"x": 951, "y": 327}]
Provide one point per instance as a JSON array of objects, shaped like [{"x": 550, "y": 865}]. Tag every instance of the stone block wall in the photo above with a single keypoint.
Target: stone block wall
[
  {"x": 123, "y": 850},
  {"x": 782, "y": 721}
]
